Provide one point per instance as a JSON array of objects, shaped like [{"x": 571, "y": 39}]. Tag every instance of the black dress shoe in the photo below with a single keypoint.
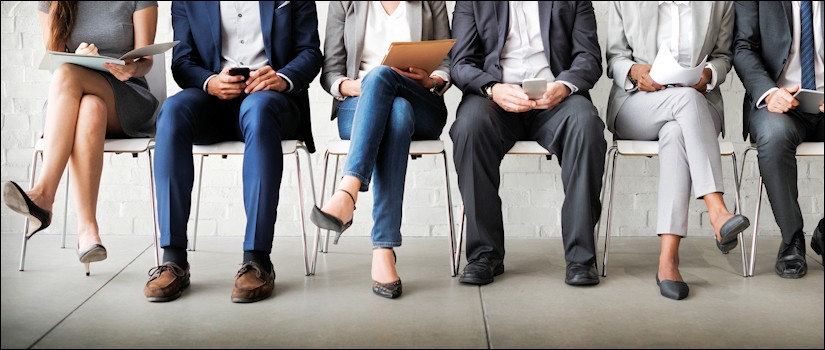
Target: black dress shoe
[
  {"x": 730, "y": 232},
  {"x": 816, "y": 239},
  {"x": 481, "y": 271},
  {"x": 581, "y": 274},
  {"x": 790, "y": 262},
  {"x": 676, "y": 290},
  {"x": 17, "y": 199}
]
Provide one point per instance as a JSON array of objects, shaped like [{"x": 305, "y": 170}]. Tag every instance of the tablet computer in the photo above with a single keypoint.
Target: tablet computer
[{"x": 809, "y": 100}]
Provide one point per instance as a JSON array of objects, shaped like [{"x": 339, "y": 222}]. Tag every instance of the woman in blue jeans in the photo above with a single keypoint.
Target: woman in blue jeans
[{"x": 381, "y": 110}]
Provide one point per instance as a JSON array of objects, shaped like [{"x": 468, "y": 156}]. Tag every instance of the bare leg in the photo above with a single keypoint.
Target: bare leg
[
  {"x": 340, "y": 204},
  {"x": 669, "y": 258},
  {"x": 718, "y": 212},
  {"x": 86, "y": 165},
  {"x": 69, "y": 84}
]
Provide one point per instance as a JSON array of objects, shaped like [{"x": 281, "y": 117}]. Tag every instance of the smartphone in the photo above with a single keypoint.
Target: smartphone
[
  {"x": 534, "y": 88},
  {"x": 242, "y": 71},
  {"x": 809, "y": 100}
]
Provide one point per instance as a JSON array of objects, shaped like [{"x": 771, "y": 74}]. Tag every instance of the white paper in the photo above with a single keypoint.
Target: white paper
[{"x": 666, "y": 71}]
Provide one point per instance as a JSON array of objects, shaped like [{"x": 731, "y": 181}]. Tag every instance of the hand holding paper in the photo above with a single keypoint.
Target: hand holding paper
[{"x": 666, "y": 71}]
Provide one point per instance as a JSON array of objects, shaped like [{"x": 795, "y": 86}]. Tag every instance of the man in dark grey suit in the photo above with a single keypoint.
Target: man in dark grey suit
[
  {"x": 500, "y": 44},
  {"x": 779, "y": 50}
]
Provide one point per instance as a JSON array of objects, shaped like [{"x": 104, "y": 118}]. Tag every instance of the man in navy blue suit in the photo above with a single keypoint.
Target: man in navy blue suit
[{"x": 278, "y": 42}]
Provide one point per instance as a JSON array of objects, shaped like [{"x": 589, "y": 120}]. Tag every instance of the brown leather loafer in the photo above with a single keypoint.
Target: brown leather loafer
[
  {"x": 253, "y": 283},
  {"x": 166, "y": 282}
]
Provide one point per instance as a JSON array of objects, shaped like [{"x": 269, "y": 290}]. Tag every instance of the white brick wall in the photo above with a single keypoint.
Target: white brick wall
[{"x": 531, "y": 188}]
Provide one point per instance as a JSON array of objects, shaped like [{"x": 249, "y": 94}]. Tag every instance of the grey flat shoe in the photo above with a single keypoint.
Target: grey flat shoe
[
  {"x": 730, "y": 232},
  {"x": 676, "y": 290}
]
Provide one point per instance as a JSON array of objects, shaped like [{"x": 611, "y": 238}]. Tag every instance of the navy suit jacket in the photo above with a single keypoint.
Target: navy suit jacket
[
  {"x": 761, "y": 48},
  {"x": 568, "y": 32},
  {"x": 290, "y": 34}
]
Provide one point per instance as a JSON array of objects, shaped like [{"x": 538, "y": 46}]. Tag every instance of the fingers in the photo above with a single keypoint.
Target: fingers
[{"x": 793, "y": 89}]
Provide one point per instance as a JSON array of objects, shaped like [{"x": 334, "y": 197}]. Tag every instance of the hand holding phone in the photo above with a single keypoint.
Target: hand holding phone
[
  {"x": 242, "y": 71},
  {"x": 534, "y": 88}
]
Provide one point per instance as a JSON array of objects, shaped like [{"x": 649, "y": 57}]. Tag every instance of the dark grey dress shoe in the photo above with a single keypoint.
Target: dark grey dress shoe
[
  {"x": 790, "y": 262},
  {"x": 481, "y": 271},
  {"x": 676, "y": 290},
  {"x": 329, "y": 222},
  {"x": 730, "y": 232},
  {"x": 816, "y": 239},
  {"x": 390, "y": 290},
  {"x": 581, "y": 274}
]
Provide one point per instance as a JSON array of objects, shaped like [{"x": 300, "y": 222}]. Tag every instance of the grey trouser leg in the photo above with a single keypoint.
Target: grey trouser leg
[
  {"x": 776, "y": 137},
  {"x": 482, "y": 135},
  {"x": 686, "y": 126}
]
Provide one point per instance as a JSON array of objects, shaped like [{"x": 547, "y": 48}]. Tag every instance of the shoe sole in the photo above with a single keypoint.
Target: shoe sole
[
  {"x": 734, "y": 232},
  {"x": 247, "y": 301},
  {"x": 15, "y": 201},
  {"x": 169, "y": 298},
  {"x": 583, "y": 283},
  {"x": 481, "y": 282},
  {"x": 791, "y": 276},
  {"x": 94, "y": 255}
]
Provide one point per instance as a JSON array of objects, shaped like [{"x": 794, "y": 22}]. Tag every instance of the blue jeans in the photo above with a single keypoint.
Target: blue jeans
[
  {"x": 261, "y": 120},
  {"x": 391, "y": 112}
]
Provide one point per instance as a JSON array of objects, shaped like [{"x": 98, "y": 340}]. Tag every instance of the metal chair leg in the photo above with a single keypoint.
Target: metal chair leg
[
  {"x": 608, "y": 226},
  {"x": 334, "y": 186},
  {"x": 737, "y": 209},
  {"x": 460, "y": 239},
  {"x": 450, "y": 217},
  {"x": 314, "y": 202},
  {"x": 197, "y": 205},
  {"x": 65, "y": 212},
  {"x": 598, "y": 230},
  {"x": 321, "y": 204},
  {"x": 26, "y": 221},
  {"x": 153, "y": 198},
  {"x": 301, "y": 209},
  {"x": 755, "y": 232}
]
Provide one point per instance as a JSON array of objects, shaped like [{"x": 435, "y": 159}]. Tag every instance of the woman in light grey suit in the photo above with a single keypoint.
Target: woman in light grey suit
[
  {"x": 686, "y": 120},
  {"x": 381, "y": 110}
]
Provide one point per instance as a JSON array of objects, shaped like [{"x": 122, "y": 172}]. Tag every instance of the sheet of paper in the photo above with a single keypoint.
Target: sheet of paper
[
  {"x": 666, "y": 71},
  {"x": 149, "y": 50},
  {"x": 53, "y": 59}
]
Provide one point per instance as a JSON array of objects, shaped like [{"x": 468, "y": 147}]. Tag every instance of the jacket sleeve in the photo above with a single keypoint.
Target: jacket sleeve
[
  {"x": 721, "y": 56},
  {"x": 467, "y": 55},
  {"x": 586, "y": 67},
  {"x": 187, "y": 65},
  {"x": 335, "y": 53},
  {"x": 619, "y": 53},
  {"x": 747, "y": 51},
  {"x": 305, "y": 43},
  {"x": 441, "y": 24}
]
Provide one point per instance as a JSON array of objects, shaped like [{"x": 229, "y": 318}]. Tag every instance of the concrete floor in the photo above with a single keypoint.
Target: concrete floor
[{"x": 53, "y": 305}]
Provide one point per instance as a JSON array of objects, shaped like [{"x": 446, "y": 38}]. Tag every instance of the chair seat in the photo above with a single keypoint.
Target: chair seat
[
  {"x": 811, "y": 149},
  {"x": 651, "y": 148},
  {"x": 341, "y": 147},
  {"x": 528, "y": 148},
  {"x": 230, "y": 148},
  {"x": 114, "y": 145}
]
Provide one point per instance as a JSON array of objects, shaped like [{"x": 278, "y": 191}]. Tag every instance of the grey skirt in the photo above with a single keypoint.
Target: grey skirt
[{"x": 134, "y": 103}]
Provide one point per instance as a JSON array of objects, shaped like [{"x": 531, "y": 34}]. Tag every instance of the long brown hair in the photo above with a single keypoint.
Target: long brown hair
[{"x": 62, "y": 15}]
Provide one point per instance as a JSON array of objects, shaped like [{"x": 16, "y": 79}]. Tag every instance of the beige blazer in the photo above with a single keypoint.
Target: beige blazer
[
  {"x": 631, "y": 39},
  {"x": 347, "y": 22}
]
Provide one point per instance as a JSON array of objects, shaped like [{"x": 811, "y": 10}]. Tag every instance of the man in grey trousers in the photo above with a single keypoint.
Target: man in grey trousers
[
  {"x": 499, "y": 44},
  {"x": 778, "y": 50}
]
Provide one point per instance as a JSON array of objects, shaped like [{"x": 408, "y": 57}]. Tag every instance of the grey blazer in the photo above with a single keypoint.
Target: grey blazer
[
  {"x": 347, "y": 22},
  {"x": 631, "y": 38}
]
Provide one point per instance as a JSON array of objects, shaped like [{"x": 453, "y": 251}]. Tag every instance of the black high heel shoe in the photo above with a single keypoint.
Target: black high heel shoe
[
  {"x": 390, "y": 290},
  {"x": 330, "y": 222},
  {"x": 17, "y": 199},
  {"x": 94, "y": 253}
]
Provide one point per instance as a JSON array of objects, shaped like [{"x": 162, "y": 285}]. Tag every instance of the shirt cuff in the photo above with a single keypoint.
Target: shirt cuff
[
  {"x": 335, "y": 89},
  {"x": 206, "y": 82},
  {"x": 628, "y": 86},
  {"x": 573, "y": 88},
  {"x": 713, "y": 78},
  {"x": 760, "y": 103},
  {"x": 444, "y": 76},
  {"x": 289, "y": 85}
]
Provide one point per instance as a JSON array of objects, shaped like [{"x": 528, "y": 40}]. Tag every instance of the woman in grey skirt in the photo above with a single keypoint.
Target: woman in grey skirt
[{"x": 86, "y": 106}]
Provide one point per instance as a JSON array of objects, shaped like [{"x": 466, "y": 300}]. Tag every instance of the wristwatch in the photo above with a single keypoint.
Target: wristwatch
[
  {"x": 435, "y": 89},
  {"x": 487, "y": 90}
]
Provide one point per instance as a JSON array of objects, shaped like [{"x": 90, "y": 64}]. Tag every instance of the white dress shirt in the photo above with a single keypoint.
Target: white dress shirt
[
  {"x": 523, "y": 54},
  {"x": 382, "y": 29},
  {"x": 674, "y": 30},
  {"x": 792, "y": 73},
  {"x": 242, "y": 41}
]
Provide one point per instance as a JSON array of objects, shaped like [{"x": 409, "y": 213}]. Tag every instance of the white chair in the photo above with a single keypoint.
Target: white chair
[
  {"x": 805, "y": 149},
  {"x": 338, "y": 148},
  {"x": 156, "y": 80},
  {"x": 649, "y": 149},
  {"x": 225, "y": 149},
  {"x": 525, "y": 148}
]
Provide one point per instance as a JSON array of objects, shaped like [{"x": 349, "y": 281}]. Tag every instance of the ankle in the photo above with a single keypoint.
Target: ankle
[
  {"x": 259, "y": 257},
  {"x": 176, "y": 255}
]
